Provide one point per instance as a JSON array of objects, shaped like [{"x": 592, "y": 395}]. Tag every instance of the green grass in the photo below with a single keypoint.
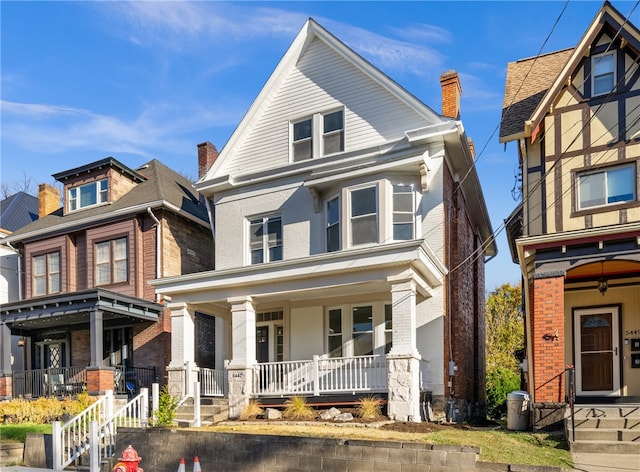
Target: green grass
[{"x": 18, "y": 432}]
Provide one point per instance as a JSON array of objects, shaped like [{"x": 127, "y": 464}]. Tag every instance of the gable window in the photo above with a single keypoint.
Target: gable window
[
  {"x": 46, "y": 273},
  {"x": 403, "y": 212},
  {"x": 302, "y": 140},
  {"x": 603, "y": 72},
  {"x": 364, "y": 215},
  {"x": 606, "y": 186},
  {"x": 88, "y": 195},
  {"x": 265, "y": 239},
  {"x": 333, "y": 132},
  {"x": 111, "y": 264},
  {"x": 333, "y": 225}
]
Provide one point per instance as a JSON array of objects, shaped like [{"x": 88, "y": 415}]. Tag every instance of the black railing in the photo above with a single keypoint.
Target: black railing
[
  {"x": 129, "y": 380},
  {"x": 570, "y": 382},
  {"x": 51, "y": 382}
]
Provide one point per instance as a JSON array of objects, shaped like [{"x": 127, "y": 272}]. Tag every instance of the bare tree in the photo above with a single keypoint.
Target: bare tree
[{"x": 23, "y": 185}]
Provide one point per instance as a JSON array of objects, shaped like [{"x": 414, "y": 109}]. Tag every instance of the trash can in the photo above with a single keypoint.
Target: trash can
[{"x": 518, "y": 410}]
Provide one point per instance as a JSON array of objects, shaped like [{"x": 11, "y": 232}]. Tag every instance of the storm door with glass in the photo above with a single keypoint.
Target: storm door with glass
[{"x": 597, "y": 358}]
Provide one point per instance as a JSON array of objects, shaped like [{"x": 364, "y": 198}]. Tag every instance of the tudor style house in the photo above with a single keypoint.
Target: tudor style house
[
  {"x": 575, "y": 117},
  {"x": 86, "y": 315},
  {"x": 351, "y": 234}
]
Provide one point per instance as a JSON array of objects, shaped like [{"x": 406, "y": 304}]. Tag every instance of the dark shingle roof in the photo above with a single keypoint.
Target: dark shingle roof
[
  {"x": 162, "y": 185},
  {"x": 17, "y": 211},
  {"x": 526, "y": 84}
]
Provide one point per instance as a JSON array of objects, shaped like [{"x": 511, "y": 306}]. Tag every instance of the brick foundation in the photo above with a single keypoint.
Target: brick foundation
[{"x": 6, "y": 386}]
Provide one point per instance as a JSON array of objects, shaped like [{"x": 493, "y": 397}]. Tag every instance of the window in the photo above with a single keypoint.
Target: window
[
  {"x": 46, "y": 274},
  {"x": 335, "y": 333},
  {"x": 88, "y": 195},
  {"x": 328, "y": 126},
  {"x": 388, "y": 328},
  {"x": 333, "y": 132},
  {"x": 606, "y": 186},
  {"x": 265, "y": 239},
  {"x": 117, "y": 346},
  {"x": 333, "y": 225},
  {"x": 111, "y": 261},
  {"x": 364, "y": 216},
  {"x": 403, "y": 212},
  {"x": 302, "y": 140},
  {"x": 604, "y": 77},
  {"x": 362, "y": 330}
]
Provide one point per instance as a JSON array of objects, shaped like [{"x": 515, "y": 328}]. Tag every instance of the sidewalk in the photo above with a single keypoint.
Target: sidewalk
[{"x": 585, "y": 462}]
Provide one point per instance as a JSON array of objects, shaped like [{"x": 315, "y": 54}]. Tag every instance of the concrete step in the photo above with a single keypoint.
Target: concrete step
[
  {"x": 212, "y": 411},
  {"x": 608, "y": 423},
  {"x": 596, "y": 434},
  {"x": 605, "y": 447},
  {"x": 608, "y": 411}
]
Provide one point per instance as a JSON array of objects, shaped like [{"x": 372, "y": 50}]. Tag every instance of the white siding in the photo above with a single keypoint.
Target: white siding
[
  {"x": 322, "y": 81},
  {"x": 430, "y": 339},
  {"x": 307, "y": 332}
]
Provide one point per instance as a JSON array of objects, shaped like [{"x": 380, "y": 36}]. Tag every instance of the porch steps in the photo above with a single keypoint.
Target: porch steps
[
  {"x": 610, "y": 429},
  {"x": 212, "y": 410}
]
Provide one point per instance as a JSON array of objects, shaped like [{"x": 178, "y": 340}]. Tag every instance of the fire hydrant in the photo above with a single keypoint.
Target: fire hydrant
[{"x": 128, "y": 461}]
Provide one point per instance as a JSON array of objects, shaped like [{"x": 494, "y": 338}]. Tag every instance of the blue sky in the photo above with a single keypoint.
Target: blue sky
[{"x": 143, "y": 80}]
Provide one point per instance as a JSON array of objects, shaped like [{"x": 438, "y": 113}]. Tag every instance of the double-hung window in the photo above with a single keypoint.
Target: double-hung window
[
  {"x": 333, "y": 132},
  {"x": 335, "y": 332},
  {"x": 333, "y": 224},
  {"x": 88, "y": 195},
  {"x": 403, "y": 212},
  {"x": 111, "y": 261},
  {"x": 364, "y": 215},
  {"x": 265, "y": 239},
  {"x": 302, "y": 140},
  {"x": 603, "y": 73},
  {"x": 607, "y": 186},
  {"x": 46, "y": 273},
  {"x": 362, "y": 330}
]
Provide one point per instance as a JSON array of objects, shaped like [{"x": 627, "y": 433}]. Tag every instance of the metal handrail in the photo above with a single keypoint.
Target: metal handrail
[{"x": 570, "y": 372}]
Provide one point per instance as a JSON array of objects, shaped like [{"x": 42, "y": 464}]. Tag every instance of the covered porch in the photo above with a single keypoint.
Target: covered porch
[
  {"x": 341, "y": 323},
  {"x": 75, "y": 342}
]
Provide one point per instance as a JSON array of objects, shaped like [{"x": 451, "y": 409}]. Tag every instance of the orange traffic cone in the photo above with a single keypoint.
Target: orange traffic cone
[
  {"x": 181, "y": 467},
  {"x": 196, "y": 465}
]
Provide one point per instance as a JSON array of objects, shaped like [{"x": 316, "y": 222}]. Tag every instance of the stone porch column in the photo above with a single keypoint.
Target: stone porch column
[
  {"x": 182, "y": 370},
  {"x": 6, "y": 387},
  {"x": 403, "y": 359},
  {"x": 243, "y": 352},
  {"x": 546, "y": 292},
  {"x": 99, "y": 377}
]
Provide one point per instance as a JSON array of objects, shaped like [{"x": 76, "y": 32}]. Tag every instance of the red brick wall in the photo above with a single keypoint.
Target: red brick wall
[
  {"x": 99, "y": 380},
  {"x": 465, "y": 299},
  {"x": 546, "y": 297}
]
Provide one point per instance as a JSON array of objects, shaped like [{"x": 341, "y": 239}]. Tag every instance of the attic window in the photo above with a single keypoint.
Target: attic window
[
  {"x": 321, "y": 134},
  {"x": 302, "y": 140},
  {"x": 333, "y": 136},
  {"x": 88, "y": 195},
  {"x": 603, "y": 71}
]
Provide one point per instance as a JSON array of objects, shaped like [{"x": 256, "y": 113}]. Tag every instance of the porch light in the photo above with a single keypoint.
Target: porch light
[
  {"x": 603, "y": 285},
  {"x": 22, "y": 342}
]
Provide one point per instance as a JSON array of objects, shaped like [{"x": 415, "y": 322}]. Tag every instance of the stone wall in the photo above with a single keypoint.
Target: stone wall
[{"x": 161, "y": 450}]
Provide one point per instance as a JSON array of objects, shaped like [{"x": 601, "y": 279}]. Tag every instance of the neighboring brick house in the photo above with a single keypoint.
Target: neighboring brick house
[
  {"x": 575, "y": 116},
  {"x": 351, "y": 234},
  {"x": 86, "y": 314}
]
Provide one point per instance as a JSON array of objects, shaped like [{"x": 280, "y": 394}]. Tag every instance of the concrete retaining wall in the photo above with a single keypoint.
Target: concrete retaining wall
[{"x": 161, "y": 450}]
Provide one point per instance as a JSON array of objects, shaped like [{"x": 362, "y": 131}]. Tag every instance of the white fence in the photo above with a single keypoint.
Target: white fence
[{"x": 321, "y": 376}]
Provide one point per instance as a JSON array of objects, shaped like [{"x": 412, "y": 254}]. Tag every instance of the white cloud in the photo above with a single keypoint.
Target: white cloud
[{"x": 423, "y": 33}]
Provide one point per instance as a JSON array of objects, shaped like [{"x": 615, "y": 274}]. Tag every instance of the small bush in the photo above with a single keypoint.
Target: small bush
[
  {"x": 42, "y": 410},
  {"x": 296, "y": 408},
  {"x": 500, "y": 382},
  {"x": 369, "y": 407},
  {"x": 167, "y": 406},
  {"x": 251, "y": 411}
]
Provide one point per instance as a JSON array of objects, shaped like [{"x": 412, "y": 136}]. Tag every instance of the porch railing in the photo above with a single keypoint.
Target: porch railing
[
  {"x": 321, "y": 376},
  {"x": 211, "y": 382},
  {"x": 54, "y": 381},
  {"x": 129, "y": 380}
]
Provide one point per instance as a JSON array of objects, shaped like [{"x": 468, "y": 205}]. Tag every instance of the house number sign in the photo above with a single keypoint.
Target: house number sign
[{"x": 237, "y": 375}]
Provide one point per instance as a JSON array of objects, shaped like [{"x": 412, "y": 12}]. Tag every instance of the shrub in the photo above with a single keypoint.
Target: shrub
[
  {"x": 167, "y": 406},
  {"x": 500, "y": 382},
  {"x": 369, "y": 407},
  {"x": 296, "y": 408},
  {"x": 251, "y": 411},
  {"x": 42, "y": 410}
]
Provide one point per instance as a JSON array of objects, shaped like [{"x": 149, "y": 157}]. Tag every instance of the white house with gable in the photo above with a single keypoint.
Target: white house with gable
[{"x": 350, "y": 239}]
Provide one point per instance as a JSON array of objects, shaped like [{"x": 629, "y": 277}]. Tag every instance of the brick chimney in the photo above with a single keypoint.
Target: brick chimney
[
  {"x": 48, "y": 199},
  {"x": 451, "y": 91},
  {"x": 207, "y": 155}
]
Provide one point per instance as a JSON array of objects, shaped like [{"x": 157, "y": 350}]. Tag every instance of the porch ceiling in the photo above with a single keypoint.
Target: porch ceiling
[{"x": 75, "y": 309}]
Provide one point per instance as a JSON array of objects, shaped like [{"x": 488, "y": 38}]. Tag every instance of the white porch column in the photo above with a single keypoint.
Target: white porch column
[
  {"x": 182, "y": 368},
  {"x": 243, "y": 351},
  {"x": 403, "y": 359}
]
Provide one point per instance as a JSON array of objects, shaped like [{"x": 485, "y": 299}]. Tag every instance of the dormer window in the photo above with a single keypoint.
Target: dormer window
[
  {"x": 603, "y": 72},
  {"x": 321, "y": 134},
  {"x": 88, "y": 195}
]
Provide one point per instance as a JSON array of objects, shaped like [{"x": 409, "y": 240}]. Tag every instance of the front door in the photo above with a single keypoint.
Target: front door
[{"x": 597, "y": 351}]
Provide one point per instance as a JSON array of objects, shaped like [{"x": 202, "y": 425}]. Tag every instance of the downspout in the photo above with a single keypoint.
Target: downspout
[
  {"x": 18, "y": 270},
  {"x": 158, "y": 239}
]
